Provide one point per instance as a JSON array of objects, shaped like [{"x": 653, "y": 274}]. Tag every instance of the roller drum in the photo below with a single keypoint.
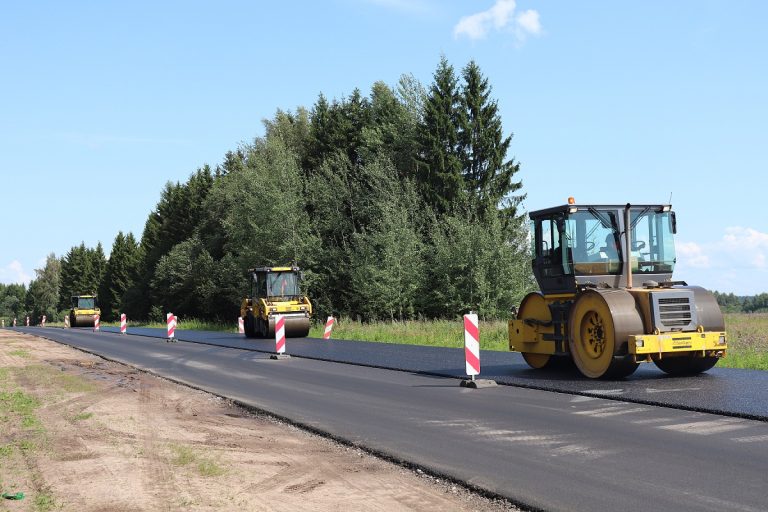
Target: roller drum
[
  {"x": 295, "y": 327},
  {"x": 83, "y": 321}
]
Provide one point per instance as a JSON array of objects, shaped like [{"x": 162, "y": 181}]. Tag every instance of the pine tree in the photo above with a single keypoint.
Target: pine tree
[
  {"x": 438, "y": 162},
  {"x": 483, "y": 148}
]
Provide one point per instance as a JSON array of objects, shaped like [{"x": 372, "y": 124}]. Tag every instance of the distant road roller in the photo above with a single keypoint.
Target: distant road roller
[
  {"x": 82, "y": 311},
  {"x": 587, "y": 260},
  {"x": 275, "y": 291}
]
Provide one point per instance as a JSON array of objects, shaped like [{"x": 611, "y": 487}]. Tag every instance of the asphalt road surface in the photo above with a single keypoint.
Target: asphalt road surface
[
  {"x": 544, "y": 450},
  {"x": 732, "y": 392}
]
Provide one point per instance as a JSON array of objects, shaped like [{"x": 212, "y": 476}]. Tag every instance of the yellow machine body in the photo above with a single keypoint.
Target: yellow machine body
[
  {"x": 84, "y": 308},
  {"x": 275, "y": 291},
  {"x": 590, "y": 311}
]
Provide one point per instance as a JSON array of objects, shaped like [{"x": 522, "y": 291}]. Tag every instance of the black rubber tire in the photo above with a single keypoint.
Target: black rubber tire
[{"x": 250, "y": 332}]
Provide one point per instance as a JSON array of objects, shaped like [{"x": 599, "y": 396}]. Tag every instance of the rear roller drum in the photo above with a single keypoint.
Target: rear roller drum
[
  {"x": 537, "y": 361},
  {"x": 534, "y": 307},
  {"x": 685, "y": 365}
]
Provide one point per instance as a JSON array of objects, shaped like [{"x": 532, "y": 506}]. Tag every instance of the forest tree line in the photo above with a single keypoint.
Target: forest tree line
[{"x": 399, "y": 204}]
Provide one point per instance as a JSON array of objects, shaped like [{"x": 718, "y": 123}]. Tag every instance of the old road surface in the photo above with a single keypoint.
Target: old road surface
[{"x": 568, "y": 450}]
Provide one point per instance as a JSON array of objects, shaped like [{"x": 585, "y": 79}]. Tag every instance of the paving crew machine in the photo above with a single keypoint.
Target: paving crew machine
[
  {"x": 275, "y": 291},
  {"x": 83, "y": 309},
  {"x": 587, "y": 260}
]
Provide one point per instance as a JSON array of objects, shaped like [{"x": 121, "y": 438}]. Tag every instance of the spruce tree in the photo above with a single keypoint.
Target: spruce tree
[
  {"x": 483, "y": 148},
  {"x": 438, "y": 162}
]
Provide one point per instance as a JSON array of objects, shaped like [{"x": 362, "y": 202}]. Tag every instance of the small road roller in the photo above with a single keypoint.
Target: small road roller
[
  {"x": 84, "y": 307},
  {"x": 588, "y": 261},
  {"x": 275, "y": 291}
]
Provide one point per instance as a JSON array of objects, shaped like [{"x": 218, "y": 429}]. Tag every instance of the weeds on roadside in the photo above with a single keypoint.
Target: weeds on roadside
[{"x": 185, "y": 456}]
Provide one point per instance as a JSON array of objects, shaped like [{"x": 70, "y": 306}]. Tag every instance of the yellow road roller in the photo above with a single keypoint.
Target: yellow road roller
[
  {"x": 82, "y": 311},
  {"x": 275, "y": 291},
  {"x": 607, "y": 299}
]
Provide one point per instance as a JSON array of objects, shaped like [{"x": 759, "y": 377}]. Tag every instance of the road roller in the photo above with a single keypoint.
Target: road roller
[
  {"x": 275, "y": 291},
  {"x": 84, "y": 307},
  {"x": 607, "y": 300}
]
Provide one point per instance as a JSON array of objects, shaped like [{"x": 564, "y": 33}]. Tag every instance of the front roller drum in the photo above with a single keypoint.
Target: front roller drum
[
  {"x": 599, "y": 325},
  {"x": 295, "y": 327},
  {"x": 82, "y": 321}
]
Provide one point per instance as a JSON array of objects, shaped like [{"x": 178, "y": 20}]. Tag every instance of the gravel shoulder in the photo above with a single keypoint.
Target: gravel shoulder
[{"x": 81, "y": 433}]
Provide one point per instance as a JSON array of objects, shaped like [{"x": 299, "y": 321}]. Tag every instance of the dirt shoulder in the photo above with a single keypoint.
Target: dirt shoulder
[{"x": 81, "y": 433}]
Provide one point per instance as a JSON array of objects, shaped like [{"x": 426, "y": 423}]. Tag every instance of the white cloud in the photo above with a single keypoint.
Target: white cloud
[
  {"x": 528, "y": 22},
  {"x": 499, "y": 17},
  {"x": 737, "y": 262},
  {"x": 14, "y": 273},
  {"x": 692, "y": 254}
]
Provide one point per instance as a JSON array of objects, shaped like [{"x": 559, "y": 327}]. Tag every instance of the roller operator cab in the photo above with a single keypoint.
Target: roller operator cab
[
  {"x": 607, "y": 297},
  {"x": 275, "y": 291},
  {"x": 84, "y": 307}
]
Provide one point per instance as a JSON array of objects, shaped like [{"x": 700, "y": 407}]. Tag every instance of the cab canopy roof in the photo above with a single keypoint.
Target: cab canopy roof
[
  {"x": 273, "y": 269},
  {"x": 573, "y": 208}
]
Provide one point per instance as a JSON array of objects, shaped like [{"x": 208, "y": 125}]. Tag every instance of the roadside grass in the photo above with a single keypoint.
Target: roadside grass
[
  {"x": 186, "y": 456},
  {"x": 51, "y": 378},
  {"x": 747, "y": 341},
  {"x": 20, "y": 353},
  {"x": 82, "y": 416},
  {"x": 437, "y": 333}
]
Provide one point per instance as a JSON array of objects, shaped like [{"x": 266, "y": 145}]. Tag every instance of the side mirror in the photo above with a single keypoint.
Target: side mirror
[{"x": 674, "y": 223}]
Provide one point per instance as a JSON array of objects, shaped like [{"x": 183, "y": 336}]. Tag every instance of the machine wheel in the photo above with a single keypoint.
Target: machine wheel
[
  {"x": 594, "y": 334},
  {"x": 261, "y": 328},
  {"x": 250, "y": 332},
  {"x": 686, "y": 365},
  {"x": 537, "y": 361}
]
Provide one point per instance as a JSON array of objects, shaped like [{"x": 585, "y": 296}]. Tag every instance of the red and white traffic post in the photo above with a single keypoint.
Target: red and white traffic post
[
  {"x": 279, "y": 339},
  {"x": 27, "y": 321},
  {"x": 123, "y": 323},
  {"x": 43, "y": 321},
  {"x": 66, "y": 321},
  {"x": 240, "y": 325},
  {"x": 96, "y": 320},
  {"x": 280, "y": 334},
  {"x": 171, "y": 322},
  {"x": 472, "y": 345},
  {"x": 14, "y": 322},
  {"x": 328, "y": 327},
  {"x": 472, "y": 353}
]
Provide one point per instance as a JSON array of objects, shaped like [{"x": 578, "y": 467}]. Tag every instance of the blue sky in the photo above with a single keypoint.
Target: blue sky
[{"x": 103, "y": 102}]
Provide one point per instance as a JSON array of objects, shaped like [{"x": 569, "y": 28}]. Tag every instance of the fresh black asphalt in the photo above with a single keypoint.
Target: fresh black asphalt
[
  {"x": 732, "y": 392},
  {"x": 548, "y": 451}
]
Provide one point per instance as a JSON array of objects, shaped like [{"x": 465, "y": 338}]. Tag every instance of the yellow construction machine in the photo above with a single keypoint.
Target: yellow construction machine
[
  {"x": 83, "y": 309},
  {"x": 275, "y": 291},
  {"x": 588, "y": 261}
]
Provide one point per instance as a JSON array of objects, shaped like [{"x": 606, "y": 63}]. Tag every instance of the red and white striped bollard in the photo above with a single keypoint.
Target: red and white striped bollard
[
  {"x": 240, "y": 325},
  {"x": 96, "y": 320},
  {"x": 472, "y": 345},
  {"x": 66, "y": 321},
  {"x": 14, "y": 322},
  {"x": 27, "y": 321},
  {"x": 280, "y": 334},
  {"x": 171, "y": 321},
  {"x": 328, "y": 327},
  {"x": 43, "y": 321},
  {"x": 123, "y": 323}
]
